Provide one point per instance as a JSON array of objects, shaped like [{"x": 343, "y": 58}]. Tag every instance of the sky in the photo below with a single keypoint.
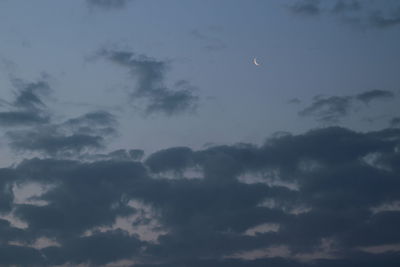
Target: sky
[{"x": 141, "y": 133}]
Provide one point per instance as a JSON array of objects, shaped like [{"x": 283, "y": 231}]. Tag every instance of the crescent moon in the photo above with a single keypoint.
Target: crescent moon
[{"x": 255, "y": 62}]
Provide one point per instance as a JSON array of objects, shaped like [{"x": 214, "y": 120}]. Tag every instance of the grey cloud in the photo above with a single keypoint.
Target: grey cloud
[
  {"x": 360, "y": 259},
  {"x": 294, "y": 101},
  {"x": 176, "y": 159},
  {"x": 342, "y": 6},
  {"x": 150, "y": 76},
  {"x": 108, "y": 3},
  {"x": 118, "y": 155},
  {"x": 368, "y": 96},
  {"x": 377, "y": 19},
  {"x": 18, "y": 255},
  {"x": 7, "y": 195},
  {"x": 332, "y": 109},
  {"x": 28, "y": 107},
  {"x": 362, "y": 13},
  {"x": 95, "y": 118},
  {"x": 97, "y": 249},
  {"x": 25, "y": 118},
  {"x": 136, "y": 154},
  {"x": 86, "y": 132},
  {"x": 8, "y": 232},
  {"x": 50, "y": 141},
  {"x": 208, "y": 217},
  {"x": 306, "y": 7},
  {"x": 28, "y": 95},
  {"x": 329, "y": 109},
  {"x": 394, "y": 122}
]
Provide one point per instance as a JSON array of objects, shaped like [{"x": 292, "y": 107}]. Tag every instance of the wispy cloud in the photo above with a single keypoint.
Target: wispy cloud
[
  {"x": 150, "y": 74},
  {"x": 332, "y": 109},
  {"x": 368, "y": 14},
  {"x": 108, "y": 4},
  {"x": 28, "y": 106},
  {"x": 306, "y": 7}
]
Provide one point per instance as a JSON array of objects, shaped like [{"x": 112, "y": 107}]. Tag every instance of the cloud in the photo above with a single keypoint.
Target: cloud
[
  {"x": 107, "y": 4},
  {"x": 394, "y": 122},
  {"x": 375, "y": 14},
  {"x": 368, "y": 96},
  {"x": 49, "y": 140},
  {"x": 30, "y": 127},
  {"x": 342, "y": 6},
  {"x": 150, "y": 77},
  {"x": 294, "y": 101},
  {"x": 377, "y": 19},
  {"x": 326, "y": 190},
  {"x": 7, "y": 196},
  {"x": 27, "y": 108},
  {"x": 18, "y": 255},
  {"x": 306, "y": 7},
  {"x": 332, "y": 109},
  {"x": 70, "y": 137},
  {"x": 176, "y": 159},
  {"x": 97, "y": 249},
  {"x": 329, "y": 109}
]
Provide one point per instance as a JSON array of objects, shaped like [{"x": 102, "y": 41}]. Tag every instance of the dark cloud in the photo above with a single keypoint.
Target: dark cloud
[
  {"x": 367, "y": 260},
  {"x": 176, "y": 159},
  {"x": 6, "y": 196},
  {"x": 368, "y": 96},
  {"x": 342, "y": 6},
  {"x": 306, "y": 7},
  {"x": 75, "y": 135},
  {"x": 327, "y": 186},
  {"x": 97, "y": 249},
  {"x": 28, "y": 107},
  {"x": 332, "y": 109},
  {"x": 395, "y": 122},
  {"x": 294, "y": 101},
  {"x": 50, "y": 141},
  {"x": 20, "y": 256},
  {"x": 376, "y": 14},
  {"x": 377, "y": 19},
  {"x": 108, "y": 3},
  {"x": 38, "y": 132},
  {"x": 329, "y": 109},
  {"x": 150, "y": 76},
  {"x": 136, "y": 154}
]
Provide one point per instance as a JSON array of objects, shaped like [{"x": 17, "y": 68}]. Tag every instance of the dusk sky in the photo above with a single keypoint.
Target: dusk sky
[{"x": 142, "y": 133}]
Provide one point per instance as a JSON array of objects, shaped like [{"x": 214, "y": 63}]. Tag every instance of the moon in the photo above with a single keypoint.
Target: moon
[{"x": 255, "y": 62}]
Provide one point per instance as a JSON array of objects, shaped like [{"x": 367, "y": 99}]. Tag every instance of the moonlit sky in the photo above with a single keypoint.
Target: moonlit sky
[
  {"x": 211, "y": 44},
  {"x": 165, "y": 75}
]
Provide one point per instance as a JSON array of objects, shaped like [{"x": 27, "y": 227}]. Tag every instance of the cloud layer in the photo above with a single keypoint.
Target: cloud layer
[{"x": 327, "y": 196}]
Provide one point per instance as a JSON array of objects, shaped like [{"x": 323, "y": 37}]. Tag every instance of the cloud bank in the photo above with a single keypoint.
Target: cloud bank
[{"x": 328, "y": 197}]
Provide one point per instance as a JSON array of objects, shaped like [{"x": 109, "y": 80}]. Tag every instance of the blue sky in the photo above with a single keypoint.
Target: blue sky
[{"x": 86, "y": 82}]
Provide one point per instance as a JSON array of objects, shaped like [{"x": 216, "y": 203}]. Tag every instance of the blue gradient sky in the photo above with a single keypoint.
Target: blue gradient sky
[{"x": 211, "y": 44}]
